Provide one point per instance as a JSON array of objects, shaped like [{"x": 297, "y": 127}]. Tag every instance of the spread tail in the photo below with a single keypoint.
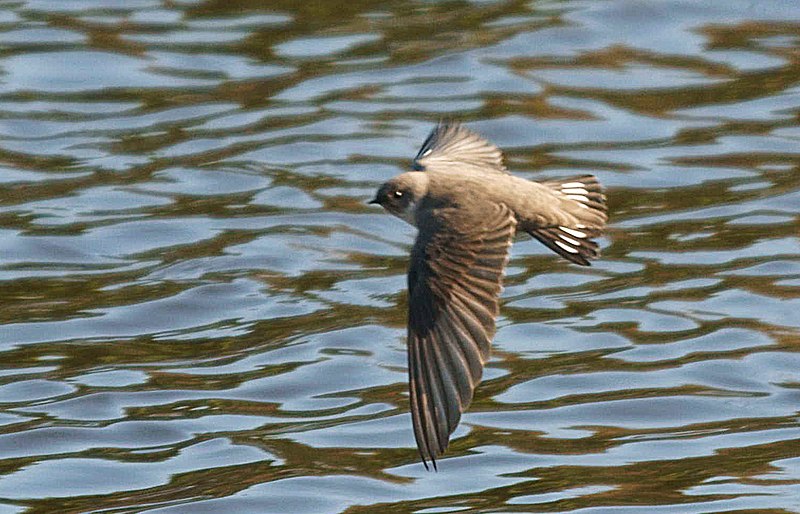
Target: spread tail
[{"x": 583, "y": 209}]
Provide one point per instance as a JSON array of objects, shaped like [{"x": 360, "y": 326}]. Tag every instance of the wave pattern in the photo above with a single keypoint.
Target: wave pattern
[{"x": 198, "y": 312}]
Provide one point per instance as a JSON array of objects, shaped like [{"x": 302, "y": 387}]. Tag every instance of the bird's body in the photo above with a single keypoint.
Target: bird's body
[
  {"x": 468, "y": 208},
  {"x": 534, "y": 204}
]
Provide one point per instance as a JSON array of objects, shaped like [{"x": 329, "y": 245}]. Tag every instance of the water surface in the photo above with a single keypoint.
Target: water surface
[{"x": 198, "y": 313}]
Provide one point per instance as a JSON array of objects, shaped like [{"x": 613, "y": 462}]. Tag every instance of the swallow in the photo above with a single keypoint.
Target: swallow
[{"x": 467, "y": 209}]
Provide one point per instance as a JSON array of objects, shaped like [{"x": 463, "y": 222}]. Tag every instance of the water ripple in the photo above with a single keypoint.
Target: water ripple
[{"x": 199, "y": 313}]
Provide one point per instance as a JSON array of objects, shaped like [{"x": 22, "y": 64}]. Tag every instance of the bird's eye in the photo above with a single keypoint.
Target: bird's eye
[{"x": 398, "y": 194}]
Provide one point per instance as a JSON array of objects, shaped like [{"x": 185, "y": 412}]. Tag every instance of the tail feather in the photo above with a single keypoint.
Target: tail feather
[
  {"x": 585, "y": 190},
  {"x": 564, "y": 242},
  {"x": 584, "y": 203}
]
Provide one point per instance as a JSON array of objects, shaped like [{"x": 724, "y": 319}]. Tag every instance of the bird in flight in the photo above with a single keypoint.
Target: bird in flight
[{"x": 467, "y": 209}]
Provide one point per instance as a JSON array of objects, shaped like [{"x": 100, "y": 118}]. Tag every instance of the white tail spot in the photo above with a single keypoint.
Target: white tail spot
[
  {"x": 576, "y": 233},
  {"x": 565, "y": 247},
  {"x": 573, "y": 184},
  {"x": 569, "y": 240},
  {"x": 578, "y": 198},
  {"x": 579, "y": 225},
  {"x": 575, "y": 191}
]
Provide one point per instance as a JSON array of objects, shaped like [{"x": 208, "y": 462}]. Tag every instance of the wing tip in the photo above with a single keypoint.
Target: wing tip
[
  {"x": 453, "y": 143},
  {"x": 432, "y": 464}
]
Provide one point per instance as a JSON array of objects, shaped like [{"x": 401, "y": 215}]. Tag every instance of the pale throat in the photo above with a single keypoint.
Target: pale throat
[{"x": 409, "y": 214}]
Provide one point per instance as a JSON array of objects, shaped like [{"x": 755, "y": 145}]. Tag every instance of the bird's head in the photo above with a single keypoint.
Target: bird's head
[{"x": 401, "y": 195}]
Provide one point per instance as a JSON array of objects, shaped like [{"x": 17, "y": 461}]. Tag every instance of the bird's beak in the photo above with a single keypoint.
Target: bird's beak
[{"x": 374, "y": 201}]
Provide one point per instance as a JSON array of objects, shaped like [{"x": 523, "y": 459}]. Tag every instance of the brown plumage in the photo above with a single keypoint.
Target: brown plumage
[{"x": 468, "y": 208}]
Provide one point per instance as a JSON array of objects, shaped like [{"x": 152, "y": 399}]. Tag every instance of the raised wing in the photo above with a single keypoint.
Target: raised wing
[
  {"x": 451, "y": 146},
  {"x": 454, "y": 281}
]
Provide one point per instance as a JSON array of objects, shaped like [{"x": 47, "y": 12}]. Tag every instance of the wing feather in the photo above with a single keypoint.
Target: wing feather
[
  {"x": 453, "y": 147},
  {"x": 455, "y": 279}
]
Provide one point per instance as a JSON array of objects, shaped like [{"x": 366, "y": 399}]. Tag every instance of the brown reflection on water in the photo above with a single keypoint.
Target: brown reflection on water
[{"x": 198, "y": 313}]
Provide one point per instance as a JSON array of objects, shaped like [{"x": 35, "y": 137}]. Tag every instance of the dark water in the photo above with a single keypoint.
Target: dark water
[{"x": 198, "y": 313}]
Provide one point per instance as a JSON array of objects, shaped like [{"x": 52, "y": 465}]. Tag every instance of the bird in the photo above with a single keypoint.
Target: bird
[{"x": 468, "y": 208}]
